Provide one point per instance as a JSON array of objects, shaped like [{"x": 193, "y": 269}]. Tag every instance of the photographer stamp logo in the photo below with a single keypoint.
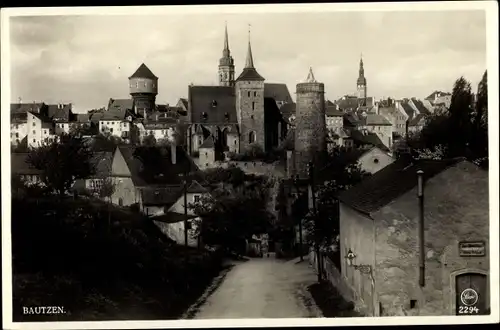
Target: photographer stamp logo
[
  {"x": 43, "y": 310},
  {"x": 469, "y": 297}
]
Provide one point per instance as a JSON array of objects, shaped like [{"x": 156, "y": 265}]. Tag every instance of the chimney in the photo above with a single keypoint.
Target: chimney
[
  {"x": 421, "y": 230},
  {"x": 173, "y": 152}
]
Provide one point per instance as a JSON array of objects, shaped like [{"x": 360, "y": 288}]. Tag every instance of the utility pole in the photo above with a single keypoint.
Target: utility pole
[
  {"x": 296, "y": 184},
  {"x": 185, "y": 209},
  {"x": 310, "y": 169}
]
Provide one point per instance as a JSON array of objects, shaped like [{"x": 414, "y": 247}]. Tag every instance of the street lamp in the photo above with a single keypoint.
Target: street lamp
[
  {"x": 296, "y": 184},
  {"x": 365, "y": 269}
]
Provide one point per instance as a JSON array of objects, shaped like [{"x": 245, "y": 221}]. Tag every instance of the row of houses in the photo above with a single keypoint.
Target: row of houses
[
  {"x": 356, "y": 122},
  {"x": 159, "y": 196},
  {"x": 36, "y": 123}
]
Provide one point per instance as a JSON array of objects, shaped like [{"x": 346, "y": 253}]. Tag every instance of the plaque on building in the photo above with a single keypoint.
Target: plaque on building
[{"x": 472, "y": 249}]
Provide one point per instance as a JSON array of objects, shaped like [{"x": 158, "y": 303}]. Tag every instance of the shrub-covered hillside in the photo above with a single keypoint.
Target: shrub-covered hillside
[{"x": 100, "y": 262}]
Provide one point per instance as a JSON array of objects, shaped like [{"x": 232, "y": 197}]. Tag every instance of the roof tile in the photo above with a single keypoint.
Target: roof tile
[{"x": 390, "y": 183}]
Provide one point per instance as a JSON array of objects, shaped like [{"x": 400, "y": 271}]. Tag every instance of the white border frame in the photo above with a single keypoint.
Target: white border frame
[{"x": 491, "y": 11}]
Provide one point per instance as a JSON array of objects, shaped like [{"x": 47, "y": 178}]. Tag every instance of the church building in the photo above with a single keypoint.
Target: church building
[{"x": 238, "y": 113}]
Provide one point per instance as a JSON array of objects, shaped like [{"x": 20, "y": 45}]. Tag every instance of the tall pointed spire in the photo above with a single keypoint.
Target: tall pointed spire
[
  {"x": 361, "y": 68},
  {"x": 226, "y": 39},
  {"x": 249, "y": 62}
]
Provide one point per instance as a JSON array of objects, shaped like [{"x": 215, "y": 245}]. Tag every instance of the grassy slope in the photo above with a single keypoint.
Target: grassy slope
[{"x": 100, "y": 263}]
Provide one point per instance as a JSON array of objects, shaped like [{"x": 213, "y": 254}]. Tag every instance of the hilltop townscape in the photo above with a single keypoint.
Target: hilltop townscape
[{"x": 240, "y": 191}]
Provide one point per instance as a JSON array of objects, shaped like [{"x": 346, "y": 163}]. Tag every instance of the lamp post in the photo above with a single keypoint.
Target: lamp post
[
  {"x": 310, "y": 170},
  {"x": 296, "y": 184}
]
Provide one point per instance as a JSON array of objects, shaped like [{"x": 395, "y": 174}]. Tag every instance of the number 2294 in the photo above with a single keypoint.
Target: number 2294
[{"x": 468, "y": 310}]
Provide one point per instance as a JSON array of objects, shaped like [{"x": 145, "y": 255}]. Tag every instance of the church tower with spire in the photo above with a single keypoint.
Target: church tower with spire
[
  {"x": 361, "y": 83},
  {"x": 249, "y": 90},
  {"x": 226, "y": 64}
]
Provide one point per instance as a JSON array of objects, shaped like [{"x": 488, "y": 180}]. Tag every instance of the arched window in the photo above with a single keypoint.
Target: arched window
[{"x": 251, "y": 137}]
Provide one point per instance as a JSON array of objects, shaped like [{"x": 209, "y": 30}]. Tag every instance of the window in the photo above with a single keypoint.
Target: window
[
  {"x": 251, "y": 137},
  {"x": 120, "y": 201},
  {"x": 34, "y": 140},
  {"x": 34, "y": 124},
  {"x": 111, "y": 129},
  {"x": 375, "y": 160},
  {"x": 214, "y": 103},
  {"x": 34, "y": 132},
  {"x": 206, "y": 154},
  {"x": 17, "y": 135},
  {"x": 196, "y": 198},
  {"x": 254, "y": 93},
  {"x": 253, "y": 105},
  {"x": 248, "y": 94},
  {"x": 145, "y": 84}
]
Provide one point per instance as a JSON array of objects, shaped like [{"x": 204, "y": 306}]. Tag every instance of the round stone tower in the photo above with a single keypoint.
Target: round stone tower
[
  {"x": 310, "y": 125},
  {"x": 143, "y": 87}
]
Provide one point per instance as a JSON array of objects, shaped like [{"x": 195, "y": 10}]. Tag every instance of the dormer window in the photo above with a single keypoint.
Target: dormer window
[
  {"x": 204, "y": 115},
  {"x": 226, "y": 116},
  {"x": 214, "y": 103}
]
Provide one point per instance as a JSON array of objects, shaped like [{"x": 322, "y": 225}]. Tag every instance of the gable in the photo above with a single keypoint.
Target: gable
[
  {"x": 374, "y": 160},
  {"x": 178, "y": 206},
  {"x": 119, "y": 166}
]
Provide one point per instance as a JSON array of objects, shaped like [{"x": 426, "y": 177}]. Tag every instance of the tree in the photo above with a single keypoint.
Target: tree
[
  {"x": 149, "y": 140},
  {"x": 341, "y": 173},
  {"x": 461, "y": 131},
  {"x": 62, "y": 162},
  {"x": 460, "y": 118},
  {"x": 105, "y": 142},
  {"x": 106, "y": 188},
  {"x": 480, "y": 119},
  {"x": 230, "y": 215}
]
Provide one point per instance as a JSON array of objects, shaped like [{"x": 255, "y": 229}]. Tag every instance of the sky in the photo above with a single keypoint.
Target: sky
[{"x": 86, "y": 60}]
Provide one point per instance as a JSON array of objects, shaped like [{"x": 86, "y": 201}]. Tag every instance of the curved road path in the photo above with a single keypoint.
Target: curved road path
[{"x": 263, "y": 288}]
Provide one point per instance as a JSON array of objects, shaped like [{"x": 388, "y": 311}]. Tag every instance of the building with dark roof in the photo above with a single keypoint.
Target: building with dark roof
[
  {"x": 239, "y": 112},
  {"x": 379, "y": 221}
]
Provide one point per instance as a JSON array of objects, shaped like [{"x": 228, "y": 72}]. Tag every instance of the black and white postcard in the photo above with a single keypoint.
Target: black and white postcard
[{"x": 250, "y": 165}]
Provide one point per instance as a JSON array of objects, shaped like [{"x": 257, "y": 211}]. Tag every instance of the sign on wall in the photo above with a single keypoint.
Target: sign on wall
[{"x": 472, "y": 249}]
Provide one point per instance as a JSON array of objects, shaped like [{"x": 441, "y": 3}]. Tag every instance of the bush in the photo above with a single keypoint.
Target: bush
[
  {"x": 102, "y": 255},
  {"x": 134, "y": 207}
]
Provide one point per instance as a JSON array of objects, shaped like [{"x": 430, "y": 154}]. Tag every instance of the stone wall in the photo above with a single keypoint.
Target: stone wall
[
  {"x": 310, "y": 126},
  {"x": 456, "y": 209}
]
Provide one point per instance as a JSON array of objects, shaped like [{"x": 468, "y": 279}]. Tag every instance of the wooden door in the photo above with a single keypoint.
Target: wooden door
[{"x": 471, "y": 294}]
